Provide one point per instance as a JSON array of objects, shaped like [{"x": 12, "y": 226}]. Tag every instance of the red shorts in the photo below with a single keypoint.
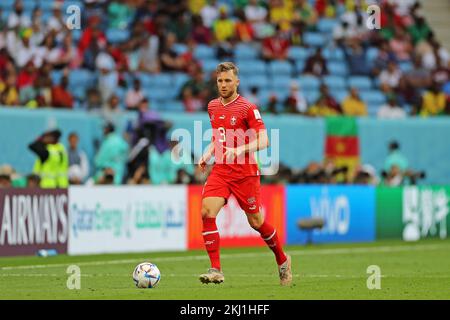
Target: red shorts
[{"x": 246, "y": 190}]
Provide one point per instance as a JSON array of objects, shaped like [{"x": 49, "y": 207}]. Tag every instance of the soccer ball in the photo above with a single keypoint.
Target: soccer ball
[{"x": 146, "y": 275}]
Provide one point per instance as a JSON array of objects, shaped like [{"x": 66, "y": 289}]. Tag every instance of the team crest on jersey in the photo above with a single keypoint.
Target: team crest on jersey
[{"x": 233, "y": 120}]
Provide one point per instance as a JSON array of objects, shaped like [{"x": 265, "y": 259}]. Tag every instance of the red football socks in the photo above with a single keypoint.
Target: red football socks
[
  {"x": 269, "y": 235},
  {"x": 212, "y": 241}
]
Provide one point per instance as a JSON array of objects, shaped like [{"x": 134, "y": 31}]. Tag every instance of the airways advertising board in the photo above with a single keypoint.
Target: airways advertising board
[
  {"x": 348, "y": 211},
  {"x": 109, "y": 219},
  {"x": 33, "y": 219}
]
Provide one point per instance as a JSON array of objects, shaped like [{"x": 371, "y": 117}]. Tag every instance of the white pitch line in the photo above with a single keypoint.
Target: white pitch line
[{"x": 361, "y": 250}]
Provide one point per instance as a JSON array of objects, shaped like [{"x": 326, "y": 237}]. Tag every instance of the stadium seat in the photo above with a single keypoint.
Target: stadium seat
[
  {"x": 179, "y": 79},
  {"x": 360, "y": 82},
  {"x": 172, "y": 105},
  {"x": 300, "y": 66},
  {"x": 117, "y": 35},
  {"x": 251, "y": 67},
  {"x": 337, "y": 68},
  {"x": 311, "y": 96},
  {"x": 335, "y": 82},
  {"x": 373, "y": 97},
  {"x": 6, "y": 4},
  {"x": 372, "y": 109},
  {"x": 209, "y": 65},
  {"x": 245, "y": 52},
  {"x": 298, "y": 53},
  {"x": 280, "y": 68},
  {"x": 333, "y": 54},
  {"x": 339, "y": 95},
  {"x": 180, "y": 48},
  {"x": 406, "y": 66},
  {"x": 259, "y": 81},
  {"x": 314, "y": 39},
  {"x": 56, "y": 76},
  {"x": 371, "y": 55},
  {"x": 281, "y": 81},
  {"x": 202, "y": 51},
  {"x": 326, "y": 25},
  {"x": 309, "y": 83},
  {"x": 82, "y": 78},
  {"x": 162, "y": 80}
]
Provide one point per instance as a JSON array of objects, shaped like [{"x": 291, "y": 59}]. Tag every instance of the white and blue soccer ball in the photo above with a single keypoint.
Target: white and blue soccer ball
[{"x": 146, "y": 275}]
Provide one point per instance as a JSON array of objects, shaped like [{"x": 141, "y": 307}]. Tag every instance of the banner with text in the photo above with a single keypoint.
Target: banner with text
[
  {"x": 232, "y": 223},
  {"x": 33, "y": 219},
  {"x": 412, "y": 213},
  {"x": 348, "y": 213},
  {"x": 109, "y": 219}
]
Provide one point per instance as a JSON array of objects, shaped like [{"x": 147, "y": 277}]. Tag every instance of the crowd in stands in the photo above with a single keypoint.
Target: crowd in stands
[
  {"x": 308, "y": 57},
  {"x": 166, "y": 52}
]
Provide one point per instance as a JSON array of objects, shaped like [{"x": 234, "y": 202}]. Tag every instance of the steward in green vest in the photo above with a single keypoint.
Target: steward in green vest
[{"x": 52, "y": 164}]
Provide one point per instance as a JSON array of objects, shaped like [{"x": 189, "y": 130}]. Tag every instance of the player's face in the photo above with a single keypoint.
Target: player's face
[{"x": 227, "y": 83}]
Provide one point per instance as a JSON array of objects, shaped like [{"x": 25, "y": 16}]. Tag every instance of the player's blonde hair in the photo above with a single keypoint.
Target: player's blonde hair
[{"x": 227, "y": 66}]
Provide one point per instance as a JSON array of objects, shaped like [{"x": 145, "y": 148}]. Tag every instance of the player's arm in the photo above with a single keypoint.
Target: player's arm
[
  {"x": 260, "y": 143},
  {"x": 207, "y": 155}
]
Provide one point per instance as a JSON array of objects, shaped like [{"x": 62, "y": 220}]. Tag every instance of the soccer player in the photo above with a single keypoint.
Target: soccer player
[{"x": 238, "y": 131}]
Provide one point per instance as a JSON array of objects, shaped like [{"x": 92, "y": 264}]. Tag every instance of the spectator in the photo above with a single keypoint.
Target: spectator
[
  {"x": 61, "y": 97},
  {"x": 5, "y": 181},
  {"x": 419, "y": 30},
  {"x": 390, "y": 78},
  {"x": 304, "y": 12},
  {"x": 413, "y": 81},
  {"x": 401, "y": 45},
  {"x": 111, "y": 156},
  {"x": 295, "y": 102},
  {"x": 198, "y": 92},
  {"x": 25, "y": 51},
  {"x": 33, "y": 181},
  {"x": 113, "y": 106},
  {"x": 316, "y": 64},
  {"x": 430, "y": 59},
  {"x": 161, "y": 167},
  {"x": 200, "y": 33},
  {"x": 56, "y": 21},
  {"x": 384, "y": 56},
  {"x": 321, "y": 109},
  {"x": 357, "y": 59},
  {"x": 120, "y": 14},
  {"x": 93, "y": 99},
  {"x": 78, "y": 161},
  {"x": 134, "y": 95},
  {"x": 224, "y": 28},
  {"x": 140, "y": 176},
  {"x": 148, "y": 55},
  {"x": 109, "y": 78},
  {"x": 391, "y": 110},
  {"x": 329, "y": 100},
  {"x": 180, "y": 26},
  {"x": 434, "y": 102},
  {"x": 441, "y": 74},
  {"x": 275, "y": 47},
  {"x": 170, "y": 59},
  {"x": 256, "y": 15},
  {"x": 18, "y": 18},
  {"x": 9, "y": 95},
  {"x": 244, "y": 29},
  {"x": 353, "y": 105},
  {"x": 252, "y": 96},
  {"x": 210, "y": 13},
  {"x": 272, "y": 104}
]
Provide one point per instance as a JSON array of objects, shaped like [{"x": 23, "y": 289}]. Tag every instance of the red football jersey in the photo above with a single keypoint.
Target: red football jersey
[{"x": 234, "y": 124}]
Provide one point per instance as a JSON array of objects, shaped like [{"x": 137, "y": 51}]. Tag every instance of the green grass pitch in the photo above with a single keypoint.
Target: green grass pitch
[{"x": 419, "y": 270}]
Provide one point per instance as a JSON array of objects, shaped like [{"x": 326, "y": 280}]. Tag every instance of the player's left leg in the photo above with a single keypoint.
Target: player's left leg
[{"x": 247, "y": 193}]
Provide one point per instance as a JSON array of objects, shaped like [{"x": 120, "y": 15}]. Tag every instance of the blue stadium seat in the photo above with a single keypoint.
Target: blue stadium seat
[
  {"x": 339, "y": 95},
  {"x": 333, "y": 54},
  {"x": 68, "y": 3},
  {"x": 373, "y": 97},
  {"x": 209, "y": 65},
  {"x": 7, "y": 4},
  {"x": 56, "y": 76},
  {"x": 117, "y": 35},
  {"x": 160, "y": 94},
  {"x": 300, "y": 66},
  {"x": 179, "y": 79},
  {"x": 335, "y": 82},
  {"x": 251, "y": 67},
  {"x": 308, "y": 82},
  {"x": 371, "y": 55},
  {"x": 360, "y": 82},
  {"x": 406, "y": 66},
  {"x": 326, "y": 25},
  {"x": 202, "y": 51},
  {"x": 314, "y": 39},
  {"x": 311, "y": 96},
  {"x": 337, "y": 68},
  {"x": 298, "y": 53},
  {"x": 281, "y": 82},
  {"x": 180, "y": 48},
  {"x": 260, "y": 81},
  {"x": 280, "y": 68},
  {"x": 82, "y": 78},
  {"x": 372, "y": 109},
  {"x": 146, "y": 79},
  {"x": 172, "y": 105},
  {"x": 245, "y": 51},
  {"x": 162, "y": 80}
]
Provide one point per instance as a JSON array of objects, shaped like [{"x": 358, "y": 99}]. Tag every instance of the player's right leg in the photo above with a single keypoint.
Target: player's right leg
[{"x": 210, "y": 209}]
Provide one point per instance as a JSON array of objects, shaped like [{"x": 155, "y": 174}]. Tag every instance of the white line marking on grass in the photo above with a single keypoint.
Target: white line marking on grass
[{"x": 307, "y": 252}]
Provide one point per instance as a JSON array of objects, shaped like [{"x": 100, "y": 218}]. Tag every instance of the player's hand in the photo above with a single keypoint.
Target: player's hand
[{"x": 202, "y": 162}]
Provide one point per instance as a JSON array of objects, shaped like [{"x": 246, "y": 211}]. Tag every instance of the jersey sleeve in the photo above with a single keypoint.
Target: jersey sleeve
[{"x": 254, "y": 119}]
